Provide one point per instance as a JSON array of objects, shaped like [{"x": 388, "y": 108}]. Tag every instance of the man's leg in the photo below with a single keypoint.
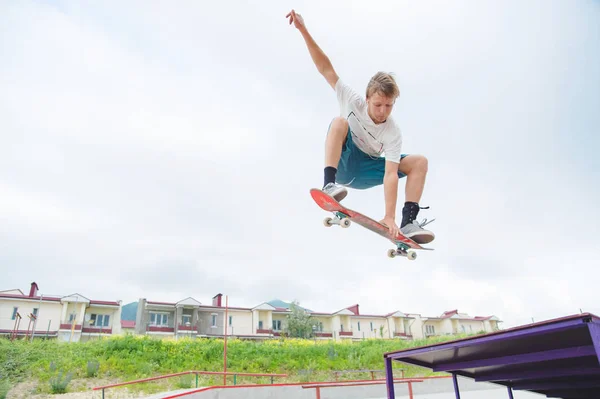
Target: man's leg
[
  {"x": 334, "y": 141},
  {"x": 415, "y": 168},
  {"x": 338, "y": 130}
]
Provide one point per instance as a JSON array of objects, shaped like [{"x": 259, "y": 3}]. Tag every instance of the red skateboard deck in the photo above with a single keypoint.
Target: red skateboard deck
[{"x": 344, "y": 216}]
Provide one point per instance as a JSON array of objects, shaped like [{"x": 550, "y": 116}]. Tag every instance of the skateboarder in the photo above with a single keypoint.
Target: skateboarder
[{"x": 357, "y": 138}]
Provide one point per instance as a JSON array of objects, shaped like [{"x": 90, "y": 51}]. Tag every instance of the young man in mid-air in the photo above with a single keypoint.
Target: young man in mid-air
[{"x": 357, "y": 138}]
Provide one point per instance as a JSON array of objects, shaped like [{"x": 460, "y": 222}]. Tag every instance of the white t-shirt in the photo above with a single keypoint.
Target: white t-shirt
[{"x": 373, "y": 139}]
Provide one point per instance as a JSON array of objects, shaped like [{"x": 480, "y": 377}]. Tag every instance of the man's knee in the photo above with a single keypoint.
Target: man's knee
[
  {"x": 422, "y": 164},
  {"x": 414, "y": 164},
  {"x": 339, "y": 127}
]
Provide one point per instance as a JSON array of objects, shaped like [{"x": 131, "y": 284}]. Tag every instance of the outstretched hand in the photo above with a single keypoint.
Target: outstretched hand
[
  {"x": 296, "y": 19},
  {"x": 390, "y": 223}
]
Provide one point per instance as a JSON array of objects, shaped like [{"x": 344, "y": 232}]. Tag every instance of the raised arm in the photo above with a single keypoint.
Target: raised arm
[{"x": 321, "y": 60}]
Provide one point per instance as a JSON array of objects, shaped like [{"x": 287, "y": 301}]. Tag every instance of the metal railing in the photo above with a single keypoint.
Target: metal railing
[
  {"x": 197, "y": 373},
  {"x": 337, "y": 373},
  {"x": 319, "y": 386}
]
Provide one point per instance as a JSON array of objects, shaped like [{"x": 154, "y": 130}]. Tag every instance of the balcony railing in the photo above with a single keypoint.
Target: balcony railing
[
  {"x": 97, "y": 330},
  {"x": 167, "y": 329},
  {"x": 68, "y": 326},
  {"x": 183, "y": 327},
  {"x": 323, "y": 334}
]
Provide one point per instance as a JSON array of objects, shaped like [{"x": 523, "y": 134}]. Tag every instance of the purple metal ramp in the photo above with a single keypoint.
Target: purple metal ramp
[{"x": 559, "y": 358}]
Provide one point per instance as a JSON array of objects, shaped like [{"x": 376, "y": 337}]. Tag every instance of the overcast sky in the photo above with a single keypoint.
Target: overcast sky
[{"x": 166, "y": 150}]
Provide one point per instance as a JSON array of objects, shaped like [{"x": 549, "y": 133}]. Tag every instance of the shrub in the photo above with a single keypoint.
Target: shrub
[
  {"x": 4, "y": 387},
  {"x": 92, "y": 368}
]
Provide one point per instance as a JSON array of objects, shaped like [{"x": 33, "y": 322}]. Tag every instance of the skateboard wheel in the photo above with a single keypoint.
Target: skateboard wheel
[
  {"x": 327, "y": 222},
  {"x": 410, "y": 254},
  {"x": 345, "y": 223},
  {"x": 391, "y": 253}
]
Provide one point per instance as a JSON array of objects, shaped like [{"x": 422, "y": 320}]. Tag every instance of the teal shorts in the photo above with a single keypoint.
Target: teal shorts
[{"x": 359, "y": 170}]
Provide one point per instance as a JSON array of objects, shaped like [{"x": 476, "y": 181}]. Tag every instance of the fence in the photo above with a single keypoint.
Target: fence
[
  {"x": 197, "y": 373},
  {"x": 319, "y": 386}
]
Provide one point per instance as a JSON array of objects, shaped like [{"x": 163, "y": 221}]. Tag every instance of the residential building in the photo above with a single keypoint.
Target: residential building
[
  {"x": 76, "y": 318},
  {"x": 67, "y": 318},
  {"x": 191, "y": 318},
  {"x": 452, "y": 322}
]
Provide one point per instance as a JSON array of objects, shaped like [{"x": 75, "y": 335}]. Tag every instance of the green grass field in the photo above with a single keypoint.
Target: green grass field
[{"x": 125, "y": 358}]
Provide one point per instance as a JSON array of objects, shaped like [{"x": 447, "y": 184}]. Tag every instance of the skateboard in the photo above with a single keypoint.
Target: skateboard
[{"x": 344, "y": 217}]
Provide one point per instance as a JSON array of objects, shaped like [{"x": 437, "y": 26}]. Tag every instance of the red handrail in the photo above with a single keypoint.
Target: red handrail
[
  {"x": 337, "y": 373},
  {"x": 303, "y": 384},
  {"x": 142, "y": 380},
  {"x": 225, "y": 374},
  {"x": 318, "y": 386}
]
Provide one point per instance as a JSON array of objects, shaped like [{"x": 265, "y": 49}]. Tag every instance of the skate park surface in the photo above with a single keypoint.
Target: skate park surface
[{"x": 428, "y": 388}]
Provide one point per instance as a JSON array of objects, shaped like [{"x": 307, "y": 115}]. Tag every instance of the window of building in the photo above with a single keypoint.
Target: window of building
[
  {"x": 159, "y": 319},
  {"x": 277, "y": 325},
  {"x": 100, "y": 320}
]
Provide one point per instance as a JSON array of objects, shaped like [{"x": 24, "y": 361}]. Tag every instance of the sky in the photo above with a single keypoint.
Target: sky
[{"x": 166, "y": 150}]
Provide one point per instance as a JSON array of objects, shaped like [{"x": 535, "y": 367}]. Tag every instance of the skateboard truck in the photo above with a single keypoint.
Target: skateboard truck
[
  {"x": 410, "y": 254},
  {"x": 342, "y": 220}
]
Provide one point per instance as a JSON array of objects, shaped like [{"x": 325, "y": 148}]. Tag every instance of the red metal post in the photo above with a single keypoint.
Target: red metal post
[
  {"x": 410, "y": 393},
  {"x": 225, "y": 343}
]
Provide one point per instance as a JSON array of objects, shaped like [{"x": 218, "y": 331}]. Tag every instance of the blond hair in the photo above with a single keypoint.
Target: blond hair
[{"x": 383, "y": 83}]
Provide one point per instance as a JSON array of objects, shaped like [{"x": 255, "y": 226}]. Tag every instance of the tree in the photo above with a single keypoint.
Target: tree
[{"x": 299, "y": 323}]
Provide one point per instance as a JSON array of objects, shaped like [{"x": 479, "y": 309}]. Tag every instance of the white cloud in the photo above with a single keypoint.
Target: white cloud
[{"x": 30, "y": 212}]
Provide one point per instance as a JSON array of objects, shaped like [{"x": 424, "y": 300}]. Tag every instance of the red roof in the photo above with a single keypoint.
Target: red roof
[
  {"x": 127, "y": 323},
  {"x": 449, "y": 313},
  {"x": 223, "y": 307},
  {"x": 160, "y": 303},
  {"x": 110, "y": 303},
  {"x": 353, "y": 309},
  {"x": 31, "y": 298},
  {"x": 53, "y": 299}
]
